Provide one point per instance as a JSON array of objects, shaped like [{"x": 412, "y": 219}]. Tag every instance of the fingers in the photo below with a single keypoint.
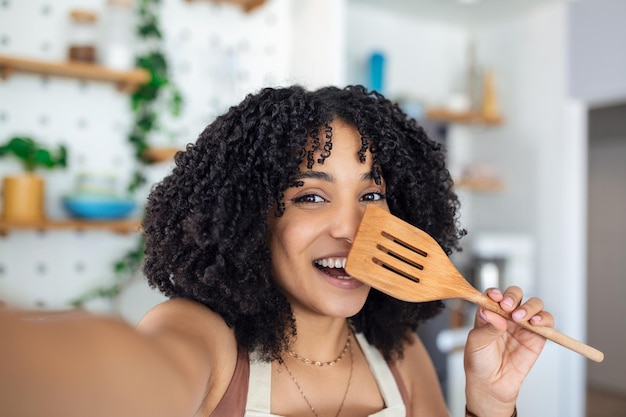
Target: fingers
[
  {"x": 508, "y": 300},
  {"x": 531, "y": 310}
]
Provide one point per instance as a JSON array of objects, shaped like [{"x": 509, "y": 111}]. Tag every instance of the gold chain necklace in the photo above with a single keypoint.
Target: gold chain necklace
[
  {"x": 345, "y": 394},
  {"x": 320, "y": 363}
]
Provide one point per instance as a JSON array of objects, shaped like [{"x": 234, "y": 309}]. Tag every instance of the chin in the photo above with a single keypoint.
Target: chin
[{"x": 349, "y": 306}]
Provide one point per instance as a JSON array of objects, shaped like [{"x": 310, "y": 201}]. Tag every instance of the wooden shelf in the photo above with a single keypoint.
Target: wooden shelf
[
  {"x": 247, "y": 5},
  {"x": 479, "y": 184},
  {"x": 126, "y": 81},
  {"x": 448, "y": 116},
  {"x": 160, "y": 154},
  {"x": 123, "y": 226}
]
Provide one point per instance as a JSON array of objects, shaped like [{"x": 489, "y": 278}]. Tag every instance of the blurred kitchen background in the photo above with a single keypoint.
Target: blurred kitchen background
[{"x": 529, "y": 96}]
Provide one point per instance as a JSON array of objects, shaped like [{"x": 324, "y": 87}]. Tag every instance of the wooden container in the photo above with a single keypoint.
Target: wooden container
[{"x": 23, "y": 198}]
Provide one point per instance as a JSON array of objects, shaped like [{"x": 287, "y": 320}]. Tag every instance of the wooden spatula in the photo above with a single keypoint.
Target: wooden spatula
[{"x": 405, "y": 262}]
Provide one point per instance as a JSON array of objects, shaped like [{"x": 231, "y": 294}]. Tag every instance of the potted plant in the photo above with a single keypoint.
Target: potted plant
[{"x": 23, "y": 194}]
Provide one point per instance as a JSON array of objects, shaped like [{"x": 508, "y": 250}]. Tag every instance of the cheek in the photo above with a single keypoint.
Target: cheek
[
  {"x": 283, "y": 247},
  {"x": 290, "y": 234},
  {"x": 283, "y": 261},
  {"x": 289, "y": 243},
  {"x": 281, "y": 242}
]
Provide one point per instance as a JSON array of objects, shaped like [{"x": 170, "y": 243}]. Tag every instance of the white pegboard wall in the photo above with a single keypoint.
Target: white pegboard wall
[
  {"x": 222, "y": 54},
  {"x": 48, "y": 269},
  {"x": 217, "y": 54}
]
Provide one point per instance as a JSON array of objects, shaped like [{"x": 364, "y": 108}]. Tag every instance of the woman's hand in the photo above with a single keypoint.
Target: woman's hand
[{"x": 499, "y": 354}]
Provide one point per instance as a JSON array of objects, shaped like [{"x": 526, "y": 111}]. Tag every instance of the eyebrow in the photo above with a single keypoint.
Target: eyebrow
[{"x": 318, "y": 175}]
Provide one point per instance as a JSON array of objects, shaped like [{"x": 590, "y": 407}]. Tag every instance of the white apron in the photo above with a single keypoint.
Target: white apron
[{"x": 260, "y": 386}]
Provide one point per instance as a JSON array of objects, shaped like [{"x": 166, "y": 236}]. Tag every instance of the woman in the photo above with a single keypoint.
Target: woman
[{"x": 248, "y": 237}]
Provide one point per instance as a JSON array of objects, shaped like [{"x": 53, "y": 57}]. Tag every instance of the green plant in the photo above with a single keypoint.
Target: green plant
[
  {"x": 147, "y": 106},
  {"x": 146, "y": 101},
  {"x": 33, "y": 155}
]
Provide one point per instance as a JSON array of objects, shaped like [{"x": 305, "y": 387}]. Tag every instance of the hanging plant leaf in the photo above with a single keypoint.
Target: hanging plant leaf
[
  {"x": 176, "y": 103},
  {"x": 144, "y": 102}
]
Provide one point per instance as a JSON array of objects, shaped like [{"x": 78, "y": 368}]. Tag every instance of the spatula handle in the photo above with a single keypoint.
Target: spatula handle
[{"x": 548, "y": 332}]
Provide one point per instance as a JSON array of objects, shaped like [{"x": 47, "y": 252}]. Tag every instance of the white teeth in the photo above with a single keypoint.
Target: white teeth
[
  {"x": 332, "y": 262},
  {"x": 338, "y": 263}
]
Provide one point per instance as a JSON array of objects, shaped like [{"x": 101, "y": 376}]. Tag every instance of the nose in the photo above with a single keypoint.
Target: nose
[{"x": 345, "y": 222}]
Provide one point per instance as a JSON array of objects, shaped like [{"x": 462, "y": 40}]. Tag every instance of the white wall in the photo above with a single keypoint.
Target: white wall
[
  {"x": 597, "y": 62},
  {"x": 318, "y": 43},
  {"x": 424, "y": 59}
]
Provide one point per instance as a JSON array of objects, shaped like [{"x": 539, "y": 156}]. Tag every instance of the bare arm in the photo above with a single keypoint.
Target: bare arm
[{"x": 98, "y": 366}]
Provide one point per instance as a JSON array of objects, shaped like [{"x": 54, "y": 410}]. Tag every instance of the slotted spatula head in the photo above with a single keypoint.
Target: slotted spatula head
[
  {"x": 387, "y": 249},
  {"x": 405, "y": 262}
]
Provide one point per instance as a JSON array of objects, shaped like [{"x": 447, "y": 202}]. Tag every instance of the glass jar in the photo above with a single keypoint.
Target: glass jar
[
  {"x": 82, "y": 36},
  {"x": 118, "y": 30}
]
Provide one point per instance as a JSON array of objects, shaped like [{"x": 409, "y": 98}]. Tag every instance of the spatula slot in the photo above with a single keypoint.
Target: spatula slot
[
  {"x": 400, "y": 257},
  {"x": 394, "y": 270},
  {"x": 405, "y": 244}
]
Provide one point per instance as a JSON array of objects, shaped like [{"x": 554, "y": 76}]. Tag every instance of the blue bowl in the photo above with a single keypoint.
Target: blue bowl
[{"x": 98, "y": 207}]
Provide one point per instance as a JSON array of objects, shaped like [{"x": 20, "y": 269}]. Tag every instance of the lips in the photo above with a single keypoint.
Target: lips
[{"x": 333, "y": 266}]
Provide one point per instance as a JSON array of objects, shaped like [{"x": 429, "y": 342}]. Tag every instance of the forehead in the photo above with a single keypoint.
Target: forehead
[{"x": 337, "y": 139}]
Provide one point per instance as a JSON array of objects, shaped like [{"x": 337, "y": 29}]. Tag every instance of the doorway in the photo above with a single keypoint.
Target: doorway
[{"x": 606, "y": 254}]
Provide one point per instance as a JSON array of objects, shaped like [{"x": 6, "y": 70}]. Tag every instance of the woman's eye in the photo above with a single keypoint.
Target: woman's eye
[
  {"x": 308, "y": 198},
  {"x": 376, "y": 196}
]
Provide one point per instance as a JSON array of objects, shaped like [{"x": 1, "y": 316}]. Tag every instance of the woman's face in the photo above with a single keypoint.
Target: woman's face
[{"x": 309, "y": 243}]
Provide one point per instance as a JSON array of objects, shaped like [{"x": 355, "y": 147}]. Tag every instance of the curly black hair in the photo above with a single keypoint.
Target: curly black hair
[{"x": 206, "y": 223}]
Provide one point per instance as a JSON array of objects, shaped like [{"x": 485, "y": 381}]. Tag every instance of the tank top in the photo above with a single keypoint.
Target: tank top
[{"x": 250, "y": 371}]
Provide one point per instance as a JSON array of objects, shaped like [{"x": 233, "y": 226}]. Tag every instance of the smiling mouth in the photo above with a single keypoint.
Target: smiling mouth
[{"x": 334, "y": 267}]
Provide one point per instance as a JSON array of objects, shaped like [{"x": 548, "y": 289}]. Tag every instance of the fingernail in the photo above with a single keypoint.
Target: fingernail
[
  {"x": 482, "y": 315},
  {"x": 495, "y": 291},
  {"x": 519, "y": 314},
  {"x": 535, "y": 319},
  {"x": 507, "y": 302}
]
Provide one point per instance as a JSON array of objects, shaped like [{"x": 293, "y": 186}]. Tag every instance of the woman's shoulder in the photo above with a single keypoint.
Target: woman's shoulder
[
  {"x": 186, "y": 316},
  {"x": 194, "y": 323},
  {"x": 201, "y": 340}
]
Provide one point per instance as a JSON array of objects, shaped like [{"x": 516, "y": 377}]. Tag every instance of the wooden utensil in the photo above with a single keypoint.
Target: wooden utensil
[{"x": 405, "y": 262}]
